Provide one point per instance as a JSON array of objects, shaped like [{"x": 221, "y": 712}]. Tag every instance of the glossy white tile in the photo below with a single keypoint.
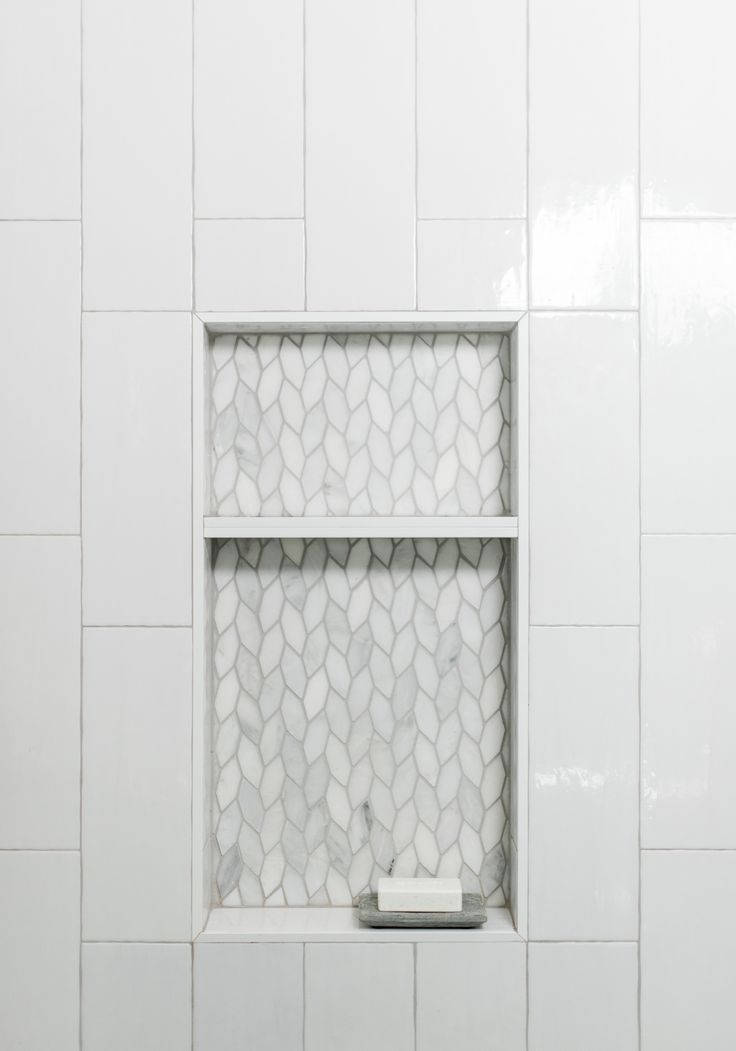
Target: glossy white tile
[
  {"x": 688, "y": 373},
  {"x": 235, "y": 999},
  {"x": 39, "y": 109},
  {"x": 584, "y": 828},
  {"x": 360, "y": 163},
  {"x": 583, "y": 154},
  {"x": 583, "y": 997},
  {"x": 137, "y": 157},
  {"x": 136, "y": 503},
  {"x": 249, "y": 264},
  {"x": 471, "y": 160},
  {"x": 136, "y": 996},
  {"x": 471, "y": 264},
  {"x": 136, "y": 804},
  {"x": 39, "y": 377},
  {"x": 39, "y": 919},
  {"x": 584, "y": 469},
  {"x": 469, "y": 993},
  {"x": 688, "y": 668},
  {"x": 688, "y": 950},
  {"x": 358, "y": 997}
]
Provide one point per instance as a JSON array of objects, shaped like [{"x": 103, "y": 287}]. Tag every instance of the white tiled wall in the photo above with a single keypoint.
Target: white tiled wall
[{"x": 344, "y": 155}]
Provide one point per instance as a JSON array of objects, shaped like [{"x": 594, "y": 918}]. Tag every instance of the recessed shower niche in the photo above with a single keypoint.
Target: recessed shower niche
[{"x": 361, "y": 601}]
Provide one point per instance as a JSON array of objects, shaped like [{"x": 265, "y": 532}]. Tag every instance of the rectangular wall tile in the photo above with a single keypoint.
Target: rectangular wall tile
[
  {"x": 584, "y": 814},
  {"x": 137, "y": 469},
  {"x": 248, "y": 994},
  {"x": 584, "y": 413},
  {"x": 688, "y": 376},
  {"x": 39, "y": 920},
  {"x": 471, "y": 265},
  {"x": 583, "y": 156},
  {"x": 137, "y": 165},
  {"x": 249, "y": 264},
  {"x": 39, "y": 692},
  {"x": 688, "y": 82},
  {"x": 360, "y": 134},
  {"x": 688, "y": 671},
  {"x": 469, "y": 995},
  {"x": 136, "y": 996},
  {"x": 136, "y": 803},
  {"x": 462, "y": 171},
  {"x": 39, "y": 377},
  {"x": 688, "y": 951},
  {"x": 359, "y": 997},
  {"x": 39, "y": 109},
  {"x": 249, "y": 141},
  {"x": 583, "y": 997}
]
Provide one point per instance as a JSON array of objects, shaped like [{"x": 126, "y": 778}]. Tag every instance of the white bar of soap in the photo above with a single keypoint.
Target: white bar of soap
[{"x": 419, "y": 895}]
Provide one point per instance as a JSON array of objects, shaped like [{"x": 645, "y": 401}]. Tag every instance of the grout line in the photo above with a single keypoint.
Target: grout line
[
  {"x": 77, "y": 220},
  {"x": 137, "y": 627},
  {"x": 594, "y": 627},
  {"x": 639, "y": 436},
  {"x": 248, "y": 218},
  {"x": 304, "y": 994},
  {"x": 81, "y": 510},
  {"x": 415, "y": 955},
  {"x": 193, "y": 538},
  {"x": 132, "y": 310},
  {"x": 687, "y": 218},
  {"x": 41, "y": 536},
  {"x": 416, "y": 156},
  {"x": 304, "y": 145}
]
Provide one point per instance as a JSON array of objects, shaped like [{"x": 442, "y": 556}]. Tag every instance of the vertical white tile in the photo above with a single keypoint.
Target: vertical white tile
[
  {"x": 471, "y": 265},
  {"x": 136, "y": 804},
  {"x": 688, "y": 375},
  {"x": 688, "y": 950},
  {"x": 469, "y": 995},
  {"x": 688, "y": 81},
  {"x": 583, "y": 997},
  {"x": 39, "y": 109},
  {"x": 137, "y": 158},
  {"x": 136, "y": 996},
  {"x": 359, "y": 997},
  {"x": 688, "y": 672},
  {"x": 360, "y": 174},
  {"x": 471, "y": 109},
  {"x": 39, "y": 920},
  {"x": 584, "y": 810},
  {"x": 248, "y": 108},
  {"x": 137, "y": 468},
  {"x": 584, "y": 413},
  {"x": 249, "y": 264},
  {"x": 39, "y": 377},
  {"x": 39, "y": 692},
  {"x": 249, "y": 994},
  {"x": 583, "y": 153}
]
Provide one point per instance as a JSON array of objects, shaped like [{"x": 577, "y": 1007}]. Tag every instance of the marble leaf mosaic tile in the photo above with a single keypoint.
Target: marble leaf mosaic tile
[
  {"x": 359, "y": 706},
  {"x": 397, "y": 424}
]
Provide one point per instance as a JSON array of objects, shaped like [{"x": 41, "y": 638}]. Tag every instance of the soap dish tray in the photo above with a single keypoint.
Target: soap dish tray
[{"x": 472, "y": 914}]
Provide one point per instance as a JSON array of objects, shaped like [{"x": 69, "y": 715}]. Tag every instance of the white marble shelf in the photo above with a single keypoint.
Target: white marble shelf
[
  {"x": 364, "y": 526},
  {"x": 338, "y": 925}
]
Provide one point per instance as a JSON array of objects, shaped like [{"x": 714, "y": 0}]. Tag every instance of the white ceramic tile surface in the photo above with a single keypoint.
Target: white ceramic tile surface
[
  {"x": 688, "y": 670},
  {"x": 584, "y": 413},
  {"x": 471, "y": 264},
  {"x": 360, "y": 136},
  {"x": 249, "y": 995},
  {"x": 688, "y": 951},
  {"x": 583, "y": 127},
  {"x": 471, "y": 996},
  {"x": 39, "y": 692},
  {"x": 39, "y": 377},
  {"x": 248, "y": 108},
  {"x": 136, "y": 997},
  {"x": 136, "y": 803},
  {"x": 39, "y": 109},
  {"x": 137, "y": 469},
  {"x": 688, "y": 328},
  {"x": 471, "y": 109},
  {"x": 137, "y": 157},
  {"x": 583, "y": 997},
  {"x": 39, "y": 920},
  {"x": 359, "y": 997},
  {"x": 583, "y": 732},
  {"x": 249, "y": 264}
]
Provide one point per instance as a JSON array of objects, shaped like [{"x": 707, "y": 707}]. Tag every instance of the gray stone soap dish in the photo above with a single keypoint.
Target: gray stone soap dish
[{"x": 472, "y": 914}]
